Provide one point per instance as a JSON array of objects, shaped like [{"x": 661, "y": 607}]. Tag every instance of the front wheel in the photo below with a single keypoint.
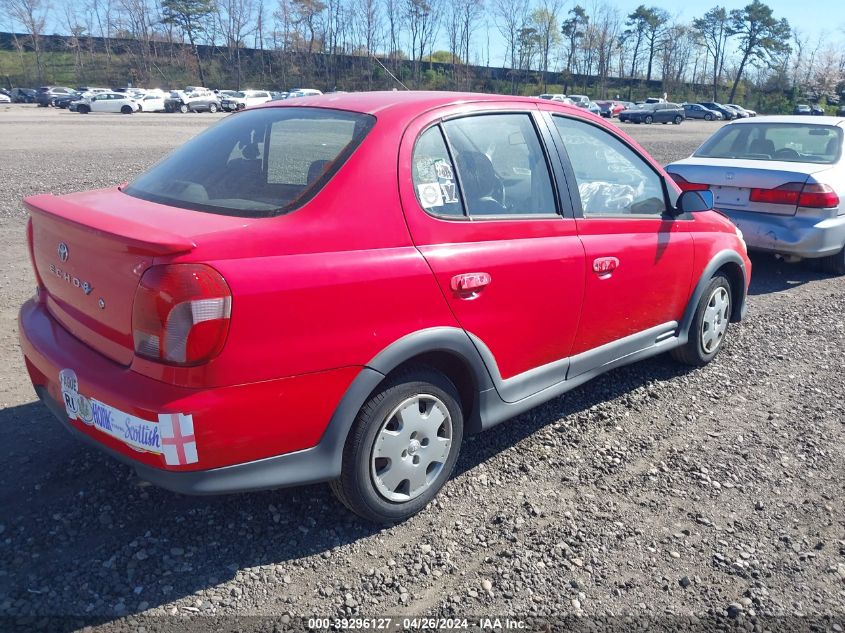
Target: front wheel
[
  {"x": 678, "y": 119},
  {"x": 709, "y": 325},
  {"x": 83, "y": 109},
  {"x": 212, "y": 108},
  {"x": 649, "y": 119},
  {"x": 402, "y": 447},
  {"x": 183, "y": 108},
  {"x": 708, "y": 117},
  {"x": 126, "y": 109}
]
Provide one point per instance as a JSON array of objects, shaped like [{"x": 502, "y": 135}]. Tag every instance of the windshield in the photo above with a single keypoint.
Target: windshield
[
  {"x": 257, "y": 163},
  {"x": 792, "y": 142}
]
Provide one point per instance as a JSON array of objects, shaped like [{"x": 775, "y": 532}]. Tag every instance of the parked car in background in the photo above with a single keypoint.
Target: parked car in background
[
  {"x": 108, "y": 102},
  {"x": 750, "y": 113},
  {"x": 653, "y": 113},
  {"x": 555, "y": 96},
  {"x": 4, "y": 97},
  {"x": 245, "y": 99},
  {"x": 23, "y": 95},
  {"x": 578, "y": 99},
  {"x": 192, "y": 99},
  {"x": 655, "y": 100},
  {"x": 278, "y": 96},
  {"x": 47, "y": 95},
  {"x": 817, "y": 110},
  {"x": 151, "y": 103},
  {"x": 781, "y": 180},
  {"x": 841, "y": 111},
  {"x": 64, "y": 100},
  {"x": 727, "y": 113},
  {"x": 164, "y": 340},
  {"x": 303, "y": 92},
  {"x": 698, "y": 111},
  {"x": 592, "y": 107},
  {"x": 802, "y": 109},
  {"x": 740, "y": 113},
  {"x": 610, "y": 109}
]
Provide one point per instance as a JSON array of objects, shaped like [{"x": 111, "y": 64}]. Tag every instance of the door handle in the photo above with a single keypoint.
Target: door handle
[
  {"x": 468, "y": 285},
  {"x": 604, "y": 266}
]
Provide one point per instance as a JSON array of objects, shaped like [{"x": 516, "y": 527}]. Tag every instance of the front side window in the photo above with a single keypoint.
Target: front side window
[
  {"x": 501, "y": 165},
  {"x": 792, "y": 142},
  {"x": 612, "y": 179},
  {"x": 260, "y": 163}
]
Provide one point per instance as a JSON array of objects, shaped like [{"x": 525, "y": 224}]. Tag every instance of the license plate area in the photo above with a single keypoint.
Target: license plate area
[{"x": 731, "y": 196}]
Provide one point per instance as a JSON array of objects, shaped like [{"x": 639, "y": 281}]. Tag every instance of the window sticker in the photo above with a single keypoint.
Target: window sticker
[
  {"x": 449, "y": 191},
  {"x": 430, "y": 195}
]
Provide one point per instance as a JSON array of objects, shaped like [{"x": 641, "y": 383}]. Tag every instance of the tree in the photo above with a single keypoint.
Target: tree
[
  {"x": 761, "y": 37},
  {"x": 510, "y": 16},
  {"x": 191, "y": 17},
  {"x": 715, "y": 30},
  {"x": 544, "y": 22},
  {"x": 645, "y": 25},
  {"x": 573, "y": 29},
  {"x": 32, "y": 16}
]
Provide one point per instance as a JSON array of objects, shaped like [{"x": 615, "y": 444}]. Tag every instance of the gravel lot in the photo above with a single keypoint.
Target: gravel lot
[{"x": 682, "y": 498}]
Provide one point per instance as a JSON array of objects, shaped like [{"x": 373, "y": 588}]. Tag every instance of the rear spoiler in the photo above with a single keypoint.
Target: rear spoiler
[{"x": 91, "y": 224}]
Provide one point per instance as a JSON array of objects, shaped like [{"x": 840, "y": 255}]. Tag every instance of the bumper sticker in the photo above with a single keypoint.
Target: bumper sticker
[{"x": 172, "y": 436}]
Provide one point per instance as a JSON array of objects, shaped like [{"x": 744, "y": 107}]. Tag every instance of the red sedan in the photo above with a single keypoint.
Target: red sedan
[{"x": 341, "y": 290}]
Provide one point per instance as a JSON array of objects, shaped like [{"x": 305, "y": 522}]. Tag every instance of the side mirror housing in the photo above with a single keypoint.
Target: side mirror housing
[{"x": 695, "y": 201}]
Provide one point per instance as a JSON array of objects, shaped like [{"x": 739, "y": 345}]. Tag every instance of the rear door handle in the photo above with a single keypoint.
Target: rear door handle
[
  {"x": 468, "y": 285},
  {"x": 604, "y": 266}
]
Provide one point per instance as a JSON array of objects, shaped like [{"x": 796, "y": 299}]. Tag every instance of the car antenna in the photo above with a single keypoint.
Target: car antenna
[{"x": 378, "y": 61}]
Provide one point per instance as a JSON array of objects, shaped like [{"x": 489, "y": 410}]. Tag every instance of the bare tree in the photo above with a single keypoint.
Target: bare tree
[
  {"x": 32, "y": 16},
  {"x": 544, "y": 21},
  {"x": 509, "y": 17}
]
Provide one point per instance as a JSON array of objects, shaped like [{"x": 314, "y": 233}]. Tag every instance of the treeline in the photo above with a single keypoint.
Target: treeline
[{"x": 515, "y": 46}]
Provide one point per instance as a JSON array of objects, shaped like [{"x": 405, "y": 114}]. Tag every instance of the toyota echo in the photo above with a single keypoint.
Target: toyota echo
[{"x": 342, "y": 290}]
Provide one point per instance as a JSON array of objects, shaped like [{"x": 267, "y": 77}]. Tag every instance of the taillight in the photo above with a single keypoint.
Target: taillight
[
  {"x": 818, "y": 196},
  {"x": 181, "y": 314},
  {"x": 686, "y": 185},
  {"x": 30, "y": 244},
  {"x": 812, "y": 195}
]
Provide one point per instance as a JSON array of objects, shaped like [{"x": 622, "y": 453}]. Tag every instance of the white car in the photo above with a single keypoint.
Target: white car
[
  {"x": 781, "y": 179},
  {"x": 151, "y": 103},
  {"x": 4, "y": 98},
  {"x": 108, "y": 102},
  {"x": 560, "y": 98},
  {"x": 303, "y": 92},
  {"x": 245, "y": 99}
]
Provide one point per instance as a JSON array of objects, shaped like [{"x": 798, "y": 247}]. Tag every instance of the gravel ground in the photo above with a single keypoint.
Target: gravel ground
[{"x": 679, "y": 498}]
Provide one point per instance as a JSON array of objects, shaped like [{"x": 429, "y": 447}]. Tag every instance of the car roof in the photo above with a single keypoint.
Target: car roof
[
  {"x": 786, "y": 118},
  {"x": 410, "y": 102}
]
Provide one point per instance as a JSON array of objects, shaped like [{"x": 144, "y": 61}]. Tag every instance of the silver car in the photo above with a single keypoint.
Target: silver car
[{"x": 781, "y": 180}]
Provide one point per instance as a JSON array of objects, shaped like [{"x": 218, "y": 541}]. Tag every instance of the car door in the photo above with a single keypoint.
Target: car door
[
  {"x": 479, "y": 194},
  {"x": 639, "y": 259}
]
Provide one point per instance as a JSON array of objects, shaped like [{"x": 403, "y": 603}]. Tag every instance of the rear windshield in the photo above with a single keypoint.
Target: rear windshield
[
  {"x": 791, "y": 142},
  {"x": 256, "y": 163}
]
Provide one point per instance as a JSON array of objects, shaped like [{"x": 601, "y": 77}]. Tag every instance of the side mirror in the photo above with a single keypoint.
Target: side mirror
[{"x": 693, "y": 201}]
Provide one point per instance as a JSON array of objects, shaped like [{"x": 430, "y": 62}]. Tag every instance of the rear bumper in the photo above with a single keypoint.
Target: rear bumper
[
  {"x": 790, "y": 235},
  {"x": 237, "y": 438}
]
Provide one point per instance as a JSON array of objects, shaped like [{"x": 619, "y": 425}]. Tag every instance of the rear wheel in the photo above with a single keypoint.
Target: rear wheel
[
  {"x": 677, "y": 120},
  {"x": 834, "y": 264},
  {"x": 183, "y": 108},
  {"x": 212, "y": 108},
  {"x": 126, "y": 110},
  {"x": 709, "y": 324},
  {"x": 708, "y": 117},
  {"x": 402, "y": 448}
]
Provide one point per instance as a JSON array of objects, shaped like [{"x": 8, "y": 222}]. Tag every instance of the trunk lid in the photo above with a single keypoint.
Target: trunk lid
[
  {"x": 90, "y": 251},
  {"x": 731, "y": 181}
]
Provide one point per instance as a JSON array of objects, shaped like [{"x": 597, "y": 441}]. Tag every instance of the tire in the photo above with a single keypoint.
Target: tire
[
  {"x": 708, "y": 117},
  {"x": 126, "y": 110},
  {"x": 366, "y": 485},
  {"x": 649, "y": 119},
  {"x": 709, "y": 325},
  {"x": 212, "y": 108},
  {"x": 834, "y": 264},
  {"x": 183, "y": 108},
  {"x": 83, "y": 109},
  {"x": 53, "y": 103},
  {"x": 677, "y": 120}
]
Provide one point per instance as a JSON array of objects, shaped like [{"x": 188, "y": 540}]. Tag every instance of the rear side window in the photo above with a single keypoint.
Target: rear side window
[
  {"x": 259, "y": 163},
  {"x": 434, "y": 175}
]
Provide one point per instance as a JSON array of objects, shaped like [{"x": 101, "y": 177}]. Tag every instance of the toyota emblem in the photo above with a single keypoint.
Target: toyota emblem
[{"x": 63, "y": 252}]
